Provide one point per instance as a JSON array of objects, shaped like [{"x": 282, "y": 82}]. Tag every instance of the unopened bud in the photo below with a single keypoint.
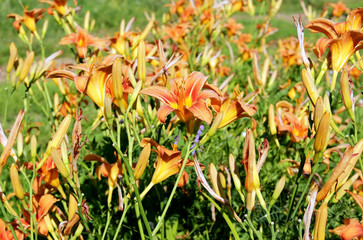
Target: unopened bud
[
  {"x": 279, "y": 187},
  {"x": 318, "y": 112},
  {"x": 59, "y": 163},
  {"x": 309, "y": 85},
  {"x": 117, "y": 79},
  {"x": 15, "y": 181},
  {"x": 347, "y": 94},
  {"x": 141, "y": 62},
  {"x": 26, "y": 66},
  {"x": 19, "y": 144},
  {"x": 235, "y": 173},
  {"x": 216, "y": 184},
  {"x": 56, "y": 104},
  {"x": 135, "y": 94},
  {"x": 343, "y": 189},
  {"x": 86, "y": 20},
  {"x": 107, "y": 110},
  {"x": 72, "y": 206},
  {"x": 271, "y": 119},
  {"x": 33, "y": 146},
  {"x": 320, "y": 222},
  {"x": 142, "y": 162},
  {"x": 12, "y": 58},
  {"x": 58, "y": 137},
  {"x": 45, "y": 28},
  {"x": 322, "y": 134}
]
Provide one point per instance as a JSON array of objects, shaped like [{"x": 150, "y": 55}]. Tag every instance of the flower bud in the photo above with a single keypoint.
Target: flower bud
[
  {"x": 15, "y": 181},
  {"x": 19, "y": 145},
  {"x": 20, "y": 67},
  {"x": 26, "y": 66},
  {"x": 142, "y": 162},
  {"x": 33, "y": 146},
  {"x": 222, "y": 179},
  {"x": 309, "y": 85},
  {"x": 342, "y": 170},
  {"x": 342, "y": 190},
  {"x": 59, "y": 163},
  {"x": 320, "y": 222},
  {"x": 347, "y": 94},
  {"x": 279, "y": 187},
  {"x": 12, "y": 58},
  {"x": 135, "y": 94},
  {"x": 141, "y": 62},
  {"x": 234, "y": 172},
  {"x": 72, "y": 206},
  {"x": 271, "y": 119},
  {"x": 11, "y": 141},
  {"x": 216, "y": 184},
  {"x": 56, "y": 105},
  {"x": 107, "y": 110},
  {"x": 318, "y": 112},
  {"x": 322, "y": 134},
  {"x": 117, "y": 79},
  {"x": 86, "y": 20},
  {"x": 45, "y": 28},
  {"x": 57, "y": 139},
  {"x": 216, "y": 123}
]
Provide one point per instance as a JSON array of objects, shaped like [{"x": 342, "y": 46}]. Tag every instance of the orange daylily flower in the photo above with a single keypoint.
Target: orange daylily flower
[
  {"x": 97, "y": 80},
  {"x": 232, "y": 27},
  {"x": 29, "y": 19},
  {"x": 343, "y": 40},
  {"x": 286, "y": 121},
  {"x": 82, "y": 39},
  {"x": 5, "y": 232},
  {"x": 168, "y": 162},
  {"x": 339, "y": 8},
  {"x": 59, "y": 5},
  {"x": 185, "y": 98},
  {"x": 42, "y": 204},
  {"x": 235, "y": 109}
]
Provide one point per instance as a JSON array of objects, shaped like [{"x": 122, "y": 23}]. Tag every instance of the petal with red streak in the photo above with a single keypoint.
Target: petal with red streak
[{"x": 162, "y": 94}]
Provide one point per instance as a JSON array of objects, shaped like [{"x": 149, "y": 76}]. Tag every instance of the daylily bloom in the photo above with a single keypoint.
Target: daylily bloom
[
  {"x": 185, "y": 98},
  {"x": 42, "y": 204},
  {"x": 97, "y": 80},
  {"x": 351, "y": 229},
  {"x": 59, "y": 5},
  {"x": 111, "y": 171},
  {"x": 343, "y": 40},
  {"x": 339, "y": 8},
  {"x": 235, "y": 109},
  {"x": 82, "y": 39},
  {"x": 168, "y": 162},
  {"x": 286, "y": 121},
  {"x": 29, "y": 19}
]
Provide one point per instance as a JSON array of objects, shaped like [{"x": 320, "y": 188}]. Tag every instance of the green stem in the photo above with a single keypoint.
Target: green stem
[
  {"x": 307, "y": 186},
  {"x": 121, "y": 220},
  {"x": 225, "y": 216},
  {"x": 130, "y": 173},
  {"x": 139, "y": 222},
  {"x": 107, "y": 223},
  {"x": 7, "y": 96},
  {"x": 161, "y": 219},
  {"x": 258, "y": 234}
]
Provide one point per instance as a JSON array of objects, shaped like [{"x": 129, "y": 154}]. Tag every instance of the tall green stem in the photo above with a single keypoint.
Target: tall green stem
[{"x": 161, "y": 219}]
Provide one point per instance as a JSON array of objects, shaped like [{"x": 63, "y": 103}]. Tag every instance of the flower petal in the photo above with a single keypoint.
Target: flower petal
[
  {"x": 163, "y": 112},
  {"x": 200, "y": 110},
  {"x": 162, "y": 94},
  {"x": 193, "y": 85},
  {"x": 324, "y": 26}
]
